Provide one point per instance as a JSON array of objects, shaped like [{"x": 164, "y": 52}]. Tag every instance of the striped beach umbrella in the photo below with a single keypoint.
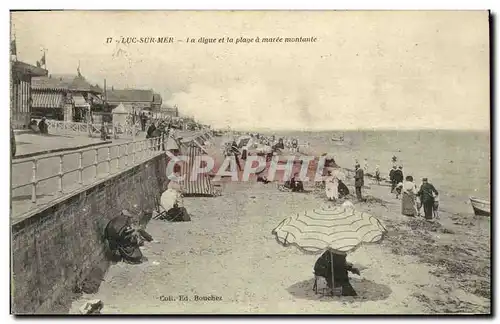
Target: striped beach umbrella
[{"x": 338, "y": 229}]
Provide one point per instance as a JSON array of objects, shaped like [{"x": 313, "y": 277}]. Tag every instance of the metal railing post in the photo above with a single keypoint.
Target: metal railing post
[
  {"x": 109, "y": 160},
  {"x": 33, "y": 182},
  {"x": 80, "y": 169},
  {"x": 133, "y": 152},
  {"x": 118, "y": 157},
  {"x": 61, "y": 174},
  {"x": 96, "y": 161},
  {"x": 126, "y": 155}
]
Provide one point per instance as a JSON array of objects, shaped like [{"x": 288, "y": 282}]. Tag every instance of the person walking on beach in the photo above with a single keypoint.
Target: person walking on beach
[
  {"x": 408, "y": 201},
  {"x": 397, "y": 179},
  {"x": 359, "y": 181},
  {"x": 377, "y": 174},
  {"x": 235, "y": 151},
  {"x": 391, "y": 177},
  {"x": 426, "y": 194}
]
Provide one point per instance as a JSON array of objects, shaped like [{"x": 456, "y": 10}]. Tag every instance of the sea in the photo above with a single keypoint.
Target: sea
[{"x": 457, "y": 163}]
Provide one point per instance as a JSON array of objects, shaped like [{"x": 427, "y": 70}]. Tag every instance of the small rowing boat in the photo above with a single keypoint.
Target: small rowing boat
[
  {"x": 337, "y": 139},
  {"x": 481, "y": 207}
]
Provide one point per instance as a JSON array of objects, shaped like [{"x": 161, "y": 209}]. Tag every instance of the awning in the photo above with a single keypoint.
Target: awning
[
  {"x": 47, "y": 99},
  {"x": 95, "y": 99},
  {"x": 80, "y": 101}
]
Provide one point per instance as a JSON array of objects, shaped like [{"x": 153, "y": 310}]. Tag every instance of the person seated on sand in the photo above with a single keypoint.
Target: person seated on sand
[
  {"x": 342, "y": 189},
  {"x": 171, "y": 202},
  {"x": 323, "y": 268},
  {"x": 262, "y": 179},
  {"x": 124, "y": 239},
  {"x": 296, "y": 184}
]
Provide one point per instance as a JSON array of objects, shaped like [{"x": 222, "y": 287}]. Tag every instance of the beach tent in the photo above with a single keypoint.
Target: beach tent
[
  {"x": 201, "y": 185},
  {"x": 172, "y": 145},
  {"x": 243, "y": 141}
]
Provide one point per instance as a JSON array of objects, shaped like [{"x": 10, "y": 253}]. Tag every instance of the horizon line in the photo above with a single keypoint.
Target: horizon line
[{"x": 266, "y": 129}]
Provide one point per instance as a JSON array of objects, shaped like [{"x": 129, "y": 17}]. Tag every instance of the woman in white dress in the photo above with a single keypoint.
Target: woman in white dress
[{"x": 331, "y": 187}]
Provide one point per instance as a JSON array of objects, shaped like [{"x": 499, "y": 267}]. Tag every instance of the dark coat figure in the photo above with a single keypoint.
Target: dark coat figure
[
  {"x": 393, "y": 181},
  {"x": 104, "y": 132},
  {"x": 244, "y": 153},
  {"x": 426, "y": 195},
  {"x": 42, "y": 126},
  {"x": 398, "y": 175},
  {"x": 150, "y": 131},
  {"x": 295, "y": 184},
  {"x": 124, "y": 240},
  {"x": 236, "y": 151},
  {"x": 144, "y": 118},
  {"x": 280, "y": 145},
  {"x": 343, "y": 190},
  {"x": 359, "y": 181},
  {"x": 323, "y": 268}
]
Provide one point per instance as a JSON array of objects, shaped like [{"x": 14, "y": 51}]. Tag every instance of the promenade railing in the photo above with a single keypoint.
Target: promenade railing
[
  {"x": 92, "y": 130},
  {"x": 73, "y": 169}
]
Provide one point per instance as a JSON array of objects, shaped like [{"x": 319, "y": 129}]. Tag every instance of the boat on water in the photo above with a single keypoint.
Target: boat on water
[
  {"x": 338, "y": 139},
  {"x": 481, "y": 207}
]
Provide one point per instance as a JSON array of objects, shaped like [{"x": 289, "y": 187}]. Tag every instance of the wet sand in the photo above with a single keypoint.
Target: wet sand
[{"x": 227, "y": 251}]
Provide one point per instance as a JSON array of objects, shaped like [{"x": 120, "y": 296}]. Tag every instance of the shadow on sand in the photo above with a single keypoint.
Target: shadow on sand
[{"x": 367, "y": 290}]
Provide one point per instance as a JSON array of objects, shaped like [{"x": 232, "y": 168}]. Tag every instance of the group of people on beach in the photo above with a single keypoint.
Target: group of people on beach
[{"x": 412, "y": 197}]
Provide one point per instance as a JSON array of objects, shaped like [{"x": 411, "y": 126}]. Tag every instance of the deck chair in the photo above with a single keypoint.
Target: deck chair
[
  {"x": 336, "y": 291},
  {"x": 172, "y": 215}
]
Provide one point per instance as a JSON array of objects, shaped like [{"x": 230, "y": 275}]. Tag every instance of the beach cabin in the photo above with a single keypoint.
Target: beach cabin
[
  {"x": 200, "y": 186},
  {"x": 120, "y": 114}
]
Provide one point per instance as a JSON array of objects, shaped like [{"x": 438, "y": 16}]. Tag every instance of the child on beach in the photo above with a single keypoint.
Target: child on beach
[{"x": 399, "y": 188}]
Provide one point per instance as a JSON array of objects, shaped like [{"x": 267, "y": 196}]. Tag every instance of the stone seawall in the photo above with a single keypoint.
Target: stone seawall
[{"x": 53, "y": 250}]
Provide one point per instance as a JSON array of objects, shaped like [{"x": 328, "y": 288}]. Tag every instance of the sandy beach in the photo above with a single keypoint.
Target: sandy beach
[{"x": 227, "y": 251}]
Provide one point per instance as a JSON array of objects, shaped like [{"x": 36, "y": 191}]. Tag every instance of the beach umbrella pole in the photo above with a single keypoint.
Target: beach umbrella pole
[{"x": 331, "y": 263}]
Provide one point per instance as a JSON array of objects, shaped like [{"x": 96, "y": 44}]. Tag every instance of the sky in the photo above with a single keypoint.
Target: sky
[{"x": 367, "y": 69}]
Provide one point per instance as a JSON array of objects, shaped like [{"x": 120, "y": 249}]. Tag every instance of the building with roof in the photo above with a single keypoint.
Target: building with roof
[
  {"x": 134, "y": 100},
  {"x": 21, "y": 76},
  {"x": 68, "y": 97},
  {"x": 170, "y": 111}
]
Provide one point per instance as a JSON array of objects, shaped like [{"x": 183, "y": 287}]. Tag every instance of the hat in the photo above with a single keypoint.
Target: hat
[{"x": 424, "y": 179}]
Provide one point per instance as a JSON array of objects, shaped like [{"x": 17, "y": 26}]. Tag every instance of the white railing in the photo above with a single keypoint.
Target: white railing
[
  {"x": 93, "y": 130},
  {"x": 127, "y": 155}
]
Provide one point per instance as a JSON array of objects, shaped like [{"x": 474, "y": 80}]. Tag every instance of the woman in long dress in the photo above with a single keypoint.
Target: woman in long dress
[
  {"x": 331, "y": 187},
  {"x": 408, "y": 201}
]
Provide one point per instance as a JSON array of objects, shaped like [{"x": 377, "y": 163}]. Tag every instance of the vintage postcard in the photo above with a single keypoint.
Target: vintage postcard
[{"x": 250, "y": 162}]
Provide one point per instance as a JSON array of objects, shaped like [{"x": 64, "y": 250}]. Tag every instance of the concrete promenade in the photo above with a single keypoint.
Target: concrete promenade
[{"x": 48, "y": 190}]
